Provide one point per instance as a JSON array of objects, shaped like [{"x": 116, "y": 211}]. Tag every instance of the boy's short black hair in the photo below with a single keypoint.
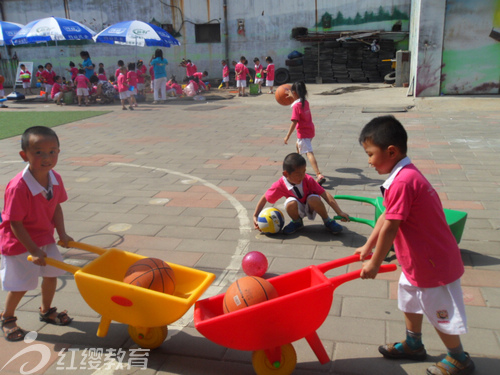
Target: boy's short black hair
[
  {"x": 292, "y": 162},
  {"x": 36, "y": 130},
  {"x": 385, "y": 131}
]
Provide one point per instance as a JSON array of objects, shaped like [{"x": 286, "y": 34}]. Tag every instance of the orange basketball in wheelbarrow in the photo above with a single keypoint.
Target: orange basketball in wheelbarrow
[
  {"x": 281, "y": 95},
  {"x": 151, "y": 273},
  {"x": 248, "y": 291}
]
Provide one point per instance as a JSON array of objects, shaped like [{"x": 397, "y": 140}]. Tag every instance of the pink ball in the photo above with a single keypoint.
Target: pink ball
[{"x": 254, "y": 264}]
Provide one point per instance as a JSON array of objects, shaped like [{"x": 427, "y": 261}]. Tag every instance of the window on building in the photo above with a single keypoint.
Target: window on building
[{"x": 207, "y": 33}]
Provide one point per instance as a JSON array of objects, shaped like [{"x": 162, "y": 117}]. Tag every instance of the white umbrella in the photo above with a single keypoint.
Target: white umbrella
[
  {"x": 136, "y": 33},
  {"x": 52, "y": 28},
  {"x": 7, "y": 32}
]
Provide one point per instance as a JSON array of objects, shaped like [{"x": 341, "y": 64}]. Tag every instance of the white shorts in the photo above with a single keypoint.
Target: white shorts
[
  {"x": 443, "y": 306},
  {"x": 270, "y": 83},
  {"x": 241, "y": 83},
  {"x": 304, "y": 209},
  {"x": 225, "y": 79},
  {"x": 304, "y": 145},
  {"x": 133, "y": 92},
  {"x": 58, "y": 95},
  {"x": 48, "y": 88},
  {"x": 26, "y": 85},
  {"x": 19, "y": 274},
  {"x": 124, "y": 95},
  {"x": 140, "y": 86},
  {"x": 82, "y": 91},
  {"x": 259, "y": 80}
]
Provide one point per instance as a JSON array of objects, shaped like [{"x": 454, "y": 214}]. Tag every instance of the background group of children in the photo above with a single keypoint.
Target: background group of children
[{"x": 241, "y": 73}]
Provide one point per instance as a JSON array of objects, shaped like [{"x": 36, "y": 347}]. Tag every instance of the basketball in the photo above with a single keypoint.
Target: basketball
[
  {"x": 248, "y": 291},
  {"x": 151, "y": 273},
  {"x": 271, "y": 220},
  {"x": 281, "y": 95},
  {"x": 254, "y": 264}
]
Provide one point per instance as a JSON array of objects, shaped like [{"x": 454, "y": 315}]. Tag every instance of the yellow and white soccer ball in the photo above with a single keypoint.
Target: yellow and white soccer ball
[{"x": 271, "y": 220}]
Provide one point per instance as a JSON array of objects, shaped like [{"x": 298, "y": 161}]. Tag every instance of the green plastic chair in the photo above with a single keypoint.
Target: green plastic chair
[{"x": 455, "y": 219}]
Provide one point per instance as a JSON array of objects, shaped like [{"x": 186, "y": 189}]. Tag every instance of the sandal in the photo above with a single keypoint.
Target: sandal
[
  {"x": 389, "y": 351},
  {"x": 62, "y": 318},
  {"x": 457, "y": 368},
  {"x": 14, "y": 333},
  {"x": 320, "y": 179}
]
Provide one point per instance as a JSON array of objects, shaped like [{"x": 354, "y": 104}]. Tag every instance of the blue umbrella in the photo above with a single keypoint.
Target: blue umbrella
[
  {"x": 52, "y": 28},
  {"x": 7, "y": 32},
  {"x": 136, "y": 33}
]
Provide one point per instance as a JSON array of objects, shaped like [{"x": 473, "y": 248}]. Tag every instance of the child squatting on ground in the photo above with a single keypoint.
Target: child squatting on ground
[
  {"x": 303, "y": 197},
  {"x": 425, "y": 247},
  {"x": 32, "y": 209}
]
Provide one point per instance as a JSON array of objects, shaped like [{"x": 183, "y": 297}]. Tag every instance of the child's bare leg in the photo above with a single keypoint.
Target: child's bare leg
[
  {"x": 317, "y": 205},
  {"x": 450, "y": 341},
  {"x": 11, "y": 302},
  {"x": 314, "y": 164},
  {"x": 48, "y": 288},
  {"x": 123, "y": 103},
  {"x": 292, "y": 209},
  {"x": 79, "y": 99},
  {"x": 414, "y": 322}
]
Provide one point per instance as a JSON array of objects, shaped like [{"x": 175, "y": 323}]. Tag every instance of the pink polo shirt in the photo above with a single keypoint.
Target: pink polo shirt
[
  {"x": 282, "y": 188},
  {"x": 240, "y": 71},
  {"x": 305, "y": 126},
  {"x": 55, "y": 89},
  {"x": 132, "y": 78},
  {"x": 270, "y": 72},
  {"x": 191, "y": 69},
  {"x": 81, "y": 81},
  {"x": 424, "y": 245},
  {"x": 25, "y": 201}
]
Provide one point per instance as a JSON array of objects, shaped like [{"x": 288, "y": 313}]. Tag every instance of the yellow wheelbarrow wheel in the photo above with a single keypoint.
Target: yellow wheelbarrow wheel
[
  {"x": 263, "y": 366},
  {"x": 148, "y": 338}
]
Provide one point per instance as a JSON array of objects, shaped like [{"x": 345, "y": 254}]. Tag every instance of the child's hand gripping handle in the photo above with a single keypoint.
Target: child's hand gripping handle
[
  {"x": 339, "y": 280},
  {"x": 58, "y": 264}
]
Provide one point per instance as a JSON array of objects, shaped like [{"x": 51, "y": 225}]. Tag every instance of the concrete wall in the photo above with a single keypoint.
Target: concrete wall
[{"x": 267, "y": 27}]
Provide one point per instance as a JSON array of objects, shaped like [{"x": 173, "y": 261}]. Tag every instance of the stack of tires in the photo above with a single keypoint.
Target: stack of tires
[{"x": 295, "y": 65}]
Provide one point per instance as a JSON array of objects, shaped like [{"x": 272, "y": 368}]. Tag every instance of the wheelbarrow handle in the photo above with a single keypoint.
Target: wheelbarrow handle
[
  {"x": 58, "y": 264},
  {"x": 339, "y": 280},
  {"x": 84, "y": 246},
  {"x": 340, "y": 262},
  {"x": 357, "y": 220}
]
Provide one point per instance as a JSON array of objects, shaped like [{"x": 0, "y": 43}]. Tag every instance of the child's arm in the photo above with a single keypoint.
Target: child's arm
[
  {"x": 59, "y": 225},
  {"x": 260, "y": 205},
  {"x": 291, "y": 130},
  {"x": 24, "y": 237},
  {"x": 333, "y": 204},
  {"x": 382, "y": 237}
]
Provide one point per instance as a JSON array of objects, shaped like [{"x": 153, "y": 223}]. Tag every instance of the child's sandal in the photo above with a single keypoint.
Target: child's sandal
[
  {"x": 14, "y": 333},
  {"x": 389, "y": 351},
  {"x": 457, "y": 368},
  {"x": 62, "y": 318}
]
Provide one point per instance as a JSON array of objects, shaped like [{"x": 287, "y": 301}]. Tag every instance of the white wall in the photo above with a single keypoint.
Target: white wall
[{"x": 268, "y": 25}]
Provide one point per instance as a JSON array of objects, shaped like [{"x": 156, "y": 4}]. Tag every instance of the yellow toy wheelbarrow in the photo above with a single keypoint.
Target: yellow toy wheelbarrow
[{"x": 146, "y": 312}]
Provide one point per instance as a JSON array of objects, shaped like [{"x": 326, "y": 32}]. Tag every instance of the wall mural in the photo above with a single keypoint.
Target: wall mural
[
  {"x": 328, "y": 22},
  {"x": 471, "y": 48}
]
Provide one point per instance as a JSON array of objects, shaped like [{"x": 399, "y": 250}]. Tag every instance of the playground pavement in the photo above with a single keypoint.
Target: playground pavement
[{"x": 180, "y": 182}]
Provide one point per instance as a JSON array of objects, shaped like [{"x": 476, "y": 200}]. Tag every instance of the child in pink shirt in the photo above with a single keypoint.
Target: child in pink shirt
[
  {"x": 303, "y": 197},
  {"x": 425, "y": 247},
  {"x": 73, "y": 70},
  {"x": 259, "y": 73},
  {"x": 200, "y": 76},
  {"x": 124, "y": 89},
  {"x": 26, "y": 80},
  {"x": 141, "y": 74},
  {"x": 82, "y": 87},
  {"x": 32, "y": 210},
  {"x": 48, "y": 77},
  {"x": 225, "y": 73},
  {"x": 57, "y": 91},
  {"x": 241, "y": 72},
  {"x": 269, "y": 74},
  {"x": 132, "y": 82},
  {"x": 302, "y": 121}
]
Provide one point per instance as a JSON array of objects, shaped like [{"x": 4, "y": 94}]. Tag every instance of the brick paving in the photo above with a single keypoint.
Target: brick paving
[{"x": 180, "y": 182}]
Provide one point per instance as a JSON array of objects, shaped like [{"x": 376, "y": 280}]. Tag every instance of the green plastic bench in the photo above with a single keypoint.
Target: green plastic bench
[{"x": 455, "y": 219}]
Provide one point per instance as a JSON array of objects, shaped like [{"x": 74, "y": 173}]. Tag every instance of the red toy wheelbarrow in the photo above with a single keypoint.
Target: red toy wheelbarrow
[{"x": 269, "y": 328}]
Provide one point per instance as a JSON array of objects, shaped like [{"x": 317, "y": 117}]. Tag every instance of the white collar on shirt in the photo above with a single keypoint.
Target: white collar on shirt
[
  {"x": 295, "y": 102},
  {"x": 290, "y": 186},
  {"x": 402, "y": 163},
  {"x": 34, "y": 185}
]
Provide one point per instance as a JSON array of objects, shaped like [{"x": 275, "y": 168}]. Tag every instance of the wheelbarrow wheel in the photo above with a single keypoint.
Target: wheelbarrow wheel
[
  {"x": 263, "y": 366},
  {"x": 152, "y": 339}
]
